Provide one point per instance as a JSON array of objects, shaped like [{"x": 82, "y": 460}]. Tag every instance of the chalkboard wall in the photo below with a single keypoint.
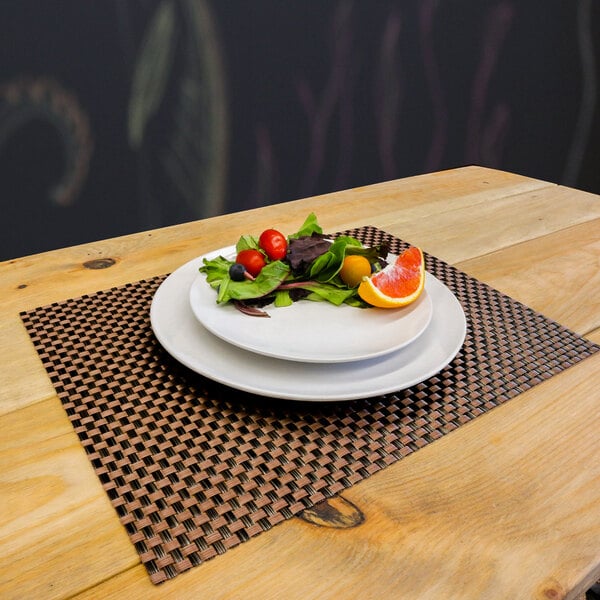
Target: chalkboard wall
[{"x": 122, "y": 115}]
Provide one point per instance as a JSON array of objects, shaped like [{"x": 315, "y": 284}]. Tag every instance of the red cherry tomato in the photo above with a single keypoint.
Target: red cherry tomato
[
  {"x": 273, "y": 243},
  {"x": 253, "y": 261}
]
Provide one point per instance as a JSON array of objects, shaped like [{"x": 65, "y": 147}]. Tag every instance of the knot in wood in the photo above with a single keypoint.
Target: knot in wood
[{"x": 99, "y": 263}]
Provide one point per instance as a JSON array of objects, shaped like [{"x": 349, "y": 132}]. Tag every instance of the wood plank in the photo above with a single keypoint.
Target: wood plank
[
  {"x": 58, "y": 532},
  {"x": 449, "y": 521},
  {"x": 594, "y": 336},
  {"x": 469, "y": 231},
  {"x": 557, "y": 274},
  {"x": 31, "y": 281},
  {"x": 443, "y": 220},
  {"x": 17, "y": 356}
]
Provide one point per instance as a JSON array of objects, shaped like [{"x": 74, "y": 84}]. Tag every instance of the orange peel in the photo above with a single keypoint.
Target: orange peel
[{"x": 397, "y": 285}]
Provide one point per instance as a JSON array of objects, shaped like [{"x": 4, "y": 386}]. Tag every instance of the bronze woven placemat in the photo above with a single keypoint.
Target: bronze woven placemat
[{"x": 194, "y": 468}]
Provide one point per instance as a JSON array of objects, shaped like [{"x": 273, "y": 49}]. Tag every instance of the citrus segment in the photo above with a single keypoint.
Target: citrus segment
[
  {"x": 354, "y": 268},
  {"x": 398, "y": 284}
]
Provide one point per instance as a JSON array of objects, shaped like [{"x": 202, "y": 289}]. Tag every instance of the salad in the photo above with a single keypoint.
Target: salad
[{"x": 279, "y": 270}]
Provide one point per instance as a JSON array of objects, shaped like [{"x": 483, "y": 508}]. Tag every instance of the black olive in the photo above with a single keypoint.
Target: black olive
[{"x": 237, "y": 272}]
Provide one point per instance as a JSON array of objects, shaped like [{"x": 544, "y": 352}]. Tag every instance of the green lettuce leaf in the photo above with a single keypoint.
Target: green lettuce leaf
[
  {"x": 309, "y": 227},
  {"x": 267, "y": 281},
  {"x": 325, "y": 291},
  {"x": 282, "y": 298},
  {"x": 247, "y": 242},
  {"x": 328, "y": 265}
]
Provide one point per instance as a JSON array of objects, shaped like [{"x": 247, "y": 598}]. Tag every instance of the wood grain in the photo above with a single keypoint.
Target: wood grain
[
  {"x": 508, "y": 506},
  {"x": 58, "y": 531},
  {"x": 33, "y": 281},
  {"x": 557, "y": 274}
]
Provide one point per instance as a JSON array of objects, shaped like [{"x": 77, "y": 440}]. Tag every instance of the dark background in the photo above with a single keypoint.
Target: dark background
[{"x": 122, "y": 115}]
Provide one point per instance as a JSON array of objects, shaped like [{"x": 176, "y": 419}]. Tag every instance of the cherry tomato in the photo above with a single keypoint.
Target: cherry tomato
[
  {"x": 273, "y": 243},
  {"x": 253, "y": 261}
]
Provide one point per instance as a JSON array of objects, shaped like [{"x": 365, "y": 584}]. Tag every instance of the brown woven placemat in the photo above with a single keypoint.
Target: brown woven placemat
[{"x": 194, "y": 468}]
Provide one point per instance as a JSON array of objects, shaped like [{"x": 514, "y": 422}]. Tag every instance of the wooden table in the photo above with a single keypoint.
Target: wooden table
[{"x": 507, "y": 506}]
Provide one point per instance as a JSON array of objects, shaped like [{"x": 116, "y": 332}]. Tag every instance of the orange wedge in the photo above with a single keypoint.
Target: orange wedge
[{"x": 398, "y": 284}]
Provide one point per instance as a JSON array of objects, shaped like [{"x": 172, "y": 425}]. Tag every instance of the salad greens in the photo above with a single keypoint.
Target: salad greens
[{"x": 309, "y": 271}]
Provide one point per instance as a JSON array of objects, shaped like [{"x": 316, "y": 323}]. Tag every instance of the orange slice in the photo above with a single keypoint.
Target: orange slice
[{"x": 398, "y": 284}]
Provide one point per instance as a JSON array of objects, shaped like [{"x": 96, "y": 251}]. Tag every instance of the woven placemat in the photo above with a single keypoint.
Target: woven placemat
[{"x": 194, "y": 468}]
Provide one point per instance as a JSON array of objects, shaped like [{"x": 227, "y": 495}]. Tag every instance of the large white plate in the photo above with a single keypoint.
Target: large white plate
[
  {"x": 311, "y": 331},
  {"x": 181, "y": 334}
]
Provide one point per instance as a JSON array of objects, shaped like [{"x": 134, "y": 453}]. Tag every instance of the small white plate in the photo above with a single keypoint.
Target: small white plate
[
  {"x": 182, "y": 336},
  {"x": 306, "y": 331}
]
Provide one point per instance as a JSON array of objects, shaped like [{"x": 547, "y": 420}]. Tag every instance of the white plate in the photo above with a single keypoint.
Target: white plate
[
  {"x": 311, "y": 331},
  {"x": 182, "y": 336}
]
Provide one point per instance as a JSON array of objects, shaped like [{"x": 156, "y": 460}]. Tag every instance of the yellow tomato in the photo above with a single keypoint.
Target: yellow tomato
[{"x": 354, "y": 268}]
